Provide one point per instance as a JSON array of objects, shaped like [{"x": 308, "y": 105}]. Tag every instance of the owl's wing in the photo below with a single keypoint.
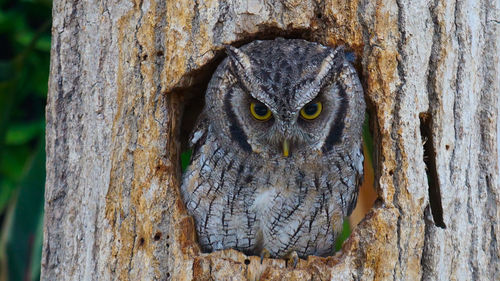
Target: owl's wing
[
  {"x": 199, "y": 134},
  {"x": 354, "y": 195}
]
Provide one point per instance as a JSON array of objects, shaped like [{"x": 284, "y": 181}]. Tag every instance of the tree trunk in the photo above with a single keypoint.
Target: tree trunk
[{"x": 121, "y": 73}]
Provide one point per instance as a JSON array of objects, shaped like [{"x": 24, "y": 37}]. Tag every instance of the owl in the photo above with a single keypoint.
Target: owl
[{"x": 276, "y": 152}]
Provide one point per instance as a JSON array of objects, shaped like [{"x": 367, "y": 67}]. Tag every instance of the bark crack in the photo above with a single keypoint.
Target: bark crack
[
  {"x": 398, "y": 139},
  {"x": 431, "y": 169}
]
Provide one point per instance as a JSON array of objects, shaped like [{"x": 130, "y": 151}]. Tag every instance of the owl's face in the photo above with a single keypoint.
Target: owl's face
[
  {"x": 279, "y": 101},
  {"x": 288, "y": 126}
]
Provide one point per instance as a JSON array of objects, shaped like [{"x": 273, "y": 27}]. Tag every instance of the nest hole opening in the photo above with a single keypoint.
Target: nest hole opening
[{"x": 193, "y": 101}]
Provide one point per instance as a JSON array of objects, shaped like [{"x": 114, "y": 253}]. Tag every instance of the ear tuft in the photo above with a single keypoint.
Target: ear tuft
[
  {"x": 239, "y": 59},
  {"x": 332, "y": 61}
]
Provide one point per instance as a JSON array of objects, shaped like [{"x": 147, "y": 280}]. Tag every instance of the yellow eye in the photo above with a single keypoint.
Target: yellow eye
[
  {"x": 260, "y": 111},
  {"x": 311, "y": 110}
]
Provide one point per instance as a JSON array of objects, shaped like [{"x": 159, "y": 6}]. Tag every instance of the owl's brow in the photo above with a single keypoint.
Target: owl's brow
[
  {"x": 240, "y": 67},
  {"x": 310, "y": 88}
]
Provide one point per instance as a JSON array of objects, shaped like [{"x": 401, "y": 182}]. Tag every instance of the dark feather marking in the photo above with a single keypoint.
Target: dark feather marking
[
  {"x": 275, "y": 88},
  {"x": 208, "y": 213},
  {"x": 316, "y": 182},
  {"x": 295, "y": 208},
  {"x": 250, "y": 218},
  {"x": 249, "y": 179},
  {"x": 235, "y": 129},
  {"x": 277, "y": 77},
  {"x": 215, "y": 163},
  {"x": 335, "y": 133},
  {"x": 209, "y": 159},
  {"x": 228, "y": 167},
  {"x": 352, "y": 203},
  {"x": 275, "y": 223},
  {"x": 284, "y": 63},
  {"x": 327, "y": 212},
  {"x": 240, "y": 187},
  {"x": 203, "y": 165},
  {"x": 268, "y": 182},
  {"x": 343, "y": 203},
  {"x": 206, "y": 221},
  {"x": 287, "y": 91},
  {"x": 197, "y": 203},
  {"x": 196, "y": 188},
  {"x": 294, "y": 238},
  {"x": 342, "y": 180},
  {"x": 249, "y": 225},
  {"x": 276, "y": 220},
  {"x": 354, "y": 195},
  {"x": 348, "y": 206},
  {"x": 300, "y": 84},
  {"x": 224, "y": 224},
  {"x": 299, "y": 179},
  {"x": 265, "y": 88},
  {"x": 238, "y": 174},
  {"x": 329, "y": 188},
  {"x": 266, "y": 75},
  {"x": 240, "y": 137},
  {"x": 221, "y": 184},
  {"x": 315, "y": 243},
  {"x": 304, "y": 253},
  {"x": 311, "y": 221},
  {"x": 303, "y": 193}
]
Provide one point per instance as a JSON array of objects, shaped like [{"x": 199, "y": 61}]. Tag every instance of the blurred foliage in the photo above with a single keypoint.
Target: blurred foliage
[
  {"x": 24, "y": 69},
  {"x": 185, "y": 158},
  {"x": 346, "y": 231}
]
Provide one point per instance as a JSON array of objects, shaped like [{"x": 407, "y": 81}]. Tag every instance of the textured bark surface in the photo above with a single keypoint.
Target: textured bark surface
[{"x": 120, "y": 74}]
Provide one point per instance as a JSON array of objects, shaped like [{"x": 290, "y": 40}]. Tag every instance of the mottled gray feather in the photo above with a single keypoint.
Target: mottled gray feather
[{"x": 240, "y": 189}]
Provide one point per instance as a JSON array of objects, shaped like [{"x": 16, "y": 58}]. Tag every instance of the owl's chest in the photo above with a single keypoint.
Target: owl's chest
[
  {"x": 226, "y": 181},
  {"x": 280, "y": 188},
  {"x": 270, "y": 193}
]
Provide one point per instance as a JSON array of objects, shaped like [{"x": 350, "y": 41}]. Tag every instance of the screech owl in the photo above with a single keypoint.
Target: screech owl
[{"x": 277, "y": 157}]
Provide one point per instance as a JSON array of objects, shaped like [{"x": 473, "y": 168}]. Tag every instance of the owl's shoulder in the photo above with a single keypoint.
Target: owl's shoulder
[{"x": 199, "y": 134}]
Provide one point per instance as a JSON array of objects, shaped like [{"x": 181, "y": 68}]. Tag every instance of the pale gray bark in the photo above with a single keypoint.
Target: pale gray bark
[{"x": 120, "y": 72}]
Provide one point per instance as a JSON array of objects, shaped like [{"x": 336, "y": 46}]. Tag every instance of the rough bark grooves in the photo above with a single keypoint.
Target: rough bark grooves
[{"x": 120, "y": 72}]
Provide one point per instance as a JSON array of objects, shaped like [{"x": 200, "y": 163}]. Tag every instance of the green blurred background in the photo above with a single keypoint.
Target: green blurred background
[{"x": 24, "y": 71}]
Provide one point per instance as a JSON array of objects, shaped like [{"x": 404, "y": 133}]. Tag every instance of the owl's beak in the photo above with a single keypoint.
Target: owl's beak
[{"x": 286, "y": 148}]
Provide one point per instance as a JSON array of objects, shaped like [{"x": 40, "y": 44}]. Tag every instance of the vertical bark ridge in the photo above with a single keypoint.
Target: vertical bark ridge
[{"x": 459, "y": 158}]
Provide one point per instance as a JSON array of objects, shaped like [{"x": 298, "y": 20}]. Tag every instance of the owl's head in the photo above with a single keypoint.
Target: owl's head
[{"x": 285, "y": 98}]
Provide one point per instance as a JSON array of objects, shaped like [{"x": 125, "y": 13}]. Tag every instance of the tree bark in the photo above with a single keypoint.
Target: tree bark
[{"x": 121, "y": 73}]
